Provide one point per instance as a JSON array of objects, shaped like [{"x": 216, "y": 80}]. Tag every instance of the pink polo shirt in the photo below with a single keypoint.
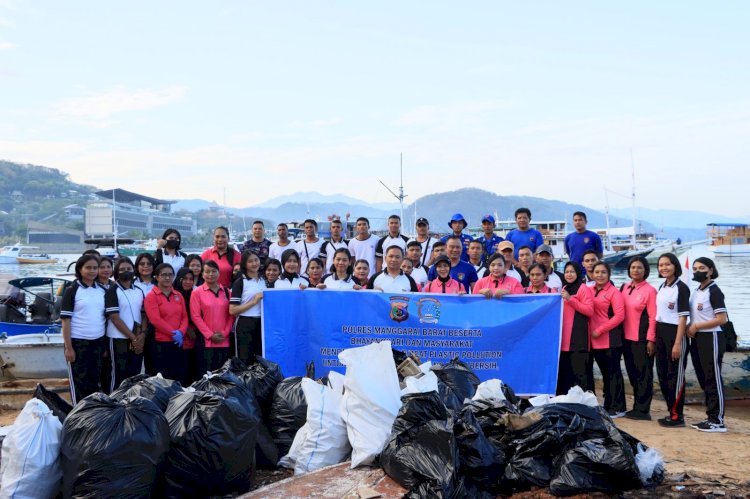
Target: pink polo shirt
[
  {"x": 210, "y": 314},
  {"x": 450, "y": 287},
  {"x": 640, "y": 311},
  {"x": 493, "y": 284},
  {"x": 609, "y": 312},
  {"x": 225, "y": 268}
]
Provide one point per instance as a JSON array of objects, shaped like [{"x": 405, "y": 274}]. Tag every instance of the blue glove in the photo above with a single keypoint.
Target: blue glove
[{"x": 177, "y": 337}]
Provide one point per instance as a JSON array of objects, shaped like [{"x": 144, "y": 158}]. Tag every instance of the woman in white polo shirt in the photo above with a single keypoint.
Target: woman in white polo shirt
[
  {"x": 341, "y": 278},
  {"x": 82, "y": 316},
  {"x": 290, "y": 278},
  {"x": 247, "y": 293}
]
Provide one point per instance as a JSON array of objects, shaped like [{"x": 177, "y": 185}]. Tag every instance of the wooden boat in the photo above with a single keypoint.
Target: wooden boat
[
  {"x": 36, "y": 259},
  {"x": 729, "y": 239},
  {"x": 38, "y": 355}
]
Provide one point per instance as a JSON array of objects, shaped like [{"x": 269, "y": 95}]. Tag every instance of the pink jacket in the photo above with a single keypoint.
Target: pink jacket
[
  {"x": 640, "y": 311},
  {"x": 609, "y": 312},
  {"x": 505, "y": 282},
  {"x": 575, "y": 332},
  {"x": 210, "y": 314}
]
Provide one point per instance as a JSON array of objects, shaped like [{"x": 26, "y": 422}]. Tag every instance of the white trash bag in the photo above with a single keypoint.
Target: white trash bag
[
  {"x": 575, "y": 395},
  {"x": 31, "y": 450},
  {"x": 492, "y": 389},
  {"x": 372, "y": 399}
]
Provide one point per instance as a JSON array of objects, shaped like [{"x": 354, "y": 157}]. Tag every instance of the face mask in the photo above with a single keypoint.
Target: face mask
[
  {"x": 700, "y": 276},
  {"x": 127, "y": 276},
  {"x": 172, "y": 243}
]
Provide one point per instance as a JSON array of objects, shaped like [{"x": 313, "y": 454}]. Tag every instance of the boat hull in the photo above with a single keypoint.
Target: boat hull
[
  {"x": 37, "y": 261},
  {"x": 731, "y": 250},
  {"x": 34, "y": 356},
  {"x": 13, "y": 329}
]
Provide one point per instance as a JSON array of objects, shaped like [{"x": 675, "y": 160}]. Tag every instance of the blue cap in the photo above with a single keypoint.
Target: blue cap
[
  {"x": 488, "y": 218},
  {"x": 457, "y": 217}
]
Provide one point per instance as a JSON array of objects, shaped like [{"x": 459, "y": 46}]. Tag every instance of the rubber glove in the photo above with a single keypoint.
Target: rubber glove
[{"x": 177, "y": 337}]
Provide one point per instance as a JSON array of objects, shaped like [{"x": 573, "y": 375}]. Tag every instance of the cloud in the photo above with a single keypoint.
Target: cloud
[
  {"x": 8, "y": 46},
  {"x": 99, "y": 108}
]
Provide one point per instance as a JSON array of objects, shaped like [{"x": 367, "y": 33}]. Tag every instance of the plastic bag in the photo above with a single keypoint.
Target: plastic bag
[
  {"x": 288, "y": 413},
  {"x": 30, "y": 467},
  {"x": 112, "y": 447},
  {"x": 421, "y": 453},
  {"x": 416, "y": 384},
  {"x": 371, "y": 399},
  {"x": 481, "y": 463},
  {"x": 490, "y": 389},
  {"x": 457, "y": 383},
  {"x": 58, "y": 405},
  {"x": 211, "y": 451},
  {"x": 157, "y": 389},
  {"x": 575, "y": 395},
  {"x": 650, "y": 464}
]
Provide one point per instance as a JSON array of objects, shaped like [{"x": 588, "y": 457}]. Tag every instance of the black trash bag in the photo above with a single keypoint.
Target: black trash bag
[
  {"x": 288, "y": 413},
  {"x": 261, "y": 376},
  {"x": 211, "y": 447},
  {"x": 421, "y": 453},
  {"x": 490, "y": 415},
  {"x": 154, "y": 388},
  {"x": 481, "y": 463},
  {"x": 113, "y": 448},
  {"x": 58, "y": 405},
  {"x": 456, "y": 382}
]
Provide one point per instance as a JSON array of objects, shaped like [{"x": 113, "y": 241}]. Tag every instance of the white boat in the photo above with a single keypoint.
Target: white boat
[
  {"x": 9, "y": 254},
  {"x": 729, "y": 239},
  {"x": 38, "y": 355}
]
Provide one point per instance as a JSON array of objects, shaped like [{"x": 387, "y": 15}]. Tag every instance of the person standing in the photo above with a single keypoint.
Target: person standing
[
  {"x": 104, "y": 278},
  {"x": 209, "y": 309},
  {"x": 309, "y": 246},
  {"x": 576, "y": 243},
  {"x": 166, "y": 311},
  {"x": 168, "y": 250},
  {"x": 457, "y": 224},
  {"x": 247, "y": 293},
  {"x": 277, "y": 248},
  {"x": 290, "y": 278},
  {"x": 195, "y": 264},
  {"x": 537, "y": 284},
  {"x": 145, "y": 281},
  {"x": 639, "y": 345},
  {"x": 672, "y": 313},
  {"x": 461, "y": 271},
  {"x": 361, "y": 272},
  {"x": 258, "y": 243},
  {"x": 590, "y": 258},
  {"x": 224, "y": 256},
  {"x": 707, "y": 314},
  {"x": 543, "y": 255},
  {"x": 330, "y": 247},
  {"x": 418, "y": 271},
  {"x": 393, "y": 238},
  {"x": 606, "y": 338},
  {"x": 477, "y": 257},
  {"x": 362, "y": 246},
  {"x": 489, "y": 239},
  {"x": 83, "y": 327},
  {"x": 425, "y": 241},
  {"x": 578, "y": 307},
  {"x": 523, "y": 235},
  {"x": 525, "y": 259},
  {"x": 272, "y": 272},
  {"x": 192, "y": 343},
  {"x": 392, "y": 279},
  {"x": 443, "y": 283},
  {"x": 497, "y": 284},
  {"x": 341, "y": 278}
]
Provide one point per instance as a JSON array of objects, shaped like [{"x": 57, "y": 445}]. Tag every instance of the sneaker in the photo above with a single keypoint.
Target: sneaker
[
  {"x": 638, "y": 416},
  {"x": 696, "y": 425},
  {"x": 711, "y": 427},
  {"x": 614, "y": 414},
  {"x": 671, "y": 423}
]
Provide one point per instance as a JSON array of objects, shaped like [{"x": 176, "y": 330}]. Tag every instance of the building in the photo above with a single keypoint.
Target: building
[
  {"x": 53, "y": 238},
  {"x": 74, "y": 212},
  {"x": 130, "y": 213}
]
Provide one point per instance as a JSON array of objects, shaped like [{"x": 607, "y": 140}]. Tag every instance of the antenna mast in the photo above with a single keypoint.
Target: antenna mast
[
  {"x": 400, "y": 196},
  {"x": 632, "y": 173}
]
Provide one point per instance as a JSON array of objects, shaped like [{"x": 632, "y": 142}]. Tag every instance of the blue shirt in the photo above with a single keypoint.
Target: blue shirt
[
  {"x": 465, "y": 240},
  {"x": 576, "y": 244},
  {"x": 489, "y": 244},
  {"x": 462, "y": 272},
  {"x": 531, "y": 238}
]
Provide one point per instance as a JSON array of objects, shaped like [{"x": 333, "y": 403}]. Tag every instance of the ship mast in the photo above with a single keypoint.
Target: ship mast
[{"x": 400, "y": 196}]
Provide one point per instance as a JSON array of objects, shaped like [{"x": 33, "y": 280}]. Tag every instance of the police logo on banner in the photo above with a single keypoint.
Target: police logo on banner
[
  {"x": 428, "y": 310},
  {"x": 399, "y": 308}
]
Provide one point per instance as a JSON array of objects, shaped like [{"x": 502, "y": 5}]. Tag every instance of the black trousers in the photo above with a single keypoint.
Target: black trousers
[
  {"x": 191, "y": 366},
  {"x": 85, "y": 373},
  {"x": 212, "y": 359},
  {"x": 608, "y": 360},
  {"x": 124, "y": 363},
  {"x": 671, "y": 373},
  {"x": 707, "y": 352},
  {"x": 169, "y": 360},
  {"x": 245, "y": 341},
  {"x": 574, "y": 370},
  {"x": 640, "y": 368},
  {"x": 149, "y": 351}
]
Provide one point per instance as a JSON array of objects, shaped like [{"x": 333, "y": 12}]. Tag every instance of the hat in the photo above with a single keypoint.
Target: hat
[
  {"x": 440, "y": 259},
  {"x": 488, "y": 218},
  {"x": 542, "y": 248},
  {"x": 505, "y": 245},
  {"x": 422, "y": 220},
  {"x": 457, "y": 217}
]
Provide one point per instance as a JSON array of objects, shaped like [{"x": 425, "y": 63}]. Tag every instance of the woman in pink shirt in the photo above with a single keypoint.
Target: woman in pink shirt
[
  {"x": 537, "y": 277},
  {"x": 497, "y": 284},
  {"x": 209, "y": 309},
  {"x": 578, "y": 306},
  {"x": 606, "y": 338},
  {"x": 639, "y": 347},
  {"x": 224, "y": 255},
  {"x": 444, "y": 283}
]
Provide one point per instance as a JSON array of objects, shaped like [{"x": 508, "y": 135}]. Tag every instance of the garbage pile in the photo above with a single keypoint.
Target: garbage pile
[{"x": 435, "y": 429}]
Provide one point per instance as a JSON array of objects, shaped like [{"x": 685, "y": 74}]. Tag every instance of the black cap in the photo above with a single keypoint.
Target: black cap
[{"x": 422, "y": 220}]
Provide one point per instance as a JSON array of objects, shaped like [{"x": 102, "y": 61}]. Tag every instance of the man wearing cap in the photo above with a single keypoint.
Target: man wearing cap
[
  {"x": 543, "y": 255},
  {"x": 461, "y": 271},
  {"x": 425, "y": 240},
  {"x": 506, "y": 249},
  {"x": 490, "y": 240},
  {"x": 524, "y": 235},
  {"x": 582, "y": 240},
  {"x": 457, "y": 225}
]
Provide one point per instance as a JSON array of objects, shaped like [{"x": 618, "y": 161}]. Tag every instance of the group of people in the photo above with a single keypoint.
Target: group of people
[{"x": 183, "y": 315}]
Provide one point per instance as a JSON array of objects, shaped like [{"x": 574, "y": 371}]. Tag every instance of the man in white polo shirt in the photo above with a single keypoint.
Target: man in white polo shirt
[
  {"x": 393, "y": 238},
  {"x": 362, "y": 246},
  {"x": 392, "y": 279}
]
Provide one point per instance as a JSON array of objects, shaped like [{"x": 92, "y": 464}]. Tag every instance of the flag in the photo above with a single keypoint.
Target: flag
[{"x": 686, "y": 276}]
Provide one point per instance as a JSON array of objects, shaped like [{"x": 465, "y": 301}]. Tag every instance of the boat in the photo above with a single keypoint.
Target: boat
[
  {"x": 39, "y": 259},
  {"x": 10, "y": 254},
  {"x": 728, "y": 239},
  {"x": 613, "y": 257},
  {"x": 109, "y": 247},
  {"x": 38, "y": 355},
  {"x": 138, "y": 247},
  {"x": 31, "y": 305}
]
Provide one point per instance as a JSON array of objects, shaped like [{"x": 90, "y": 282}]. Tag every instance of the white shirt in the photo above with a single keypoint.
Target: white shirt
[
  {"x": 129, "y": 306},
  {"x": 402, "y": 283},
  {"x": 330, "y": 248},
  {"x": 84, "y": 306},
  {"x": 177, "y": 261},
  {"x": 364, "y": 250},
  {"x": 282, "y": 283},
  {"x": 426, "y": 248},
  {"x": 333, "y": 282},
  {"x": 243, "y": 290},
  {"x": 419, "y": 274},
  {"x": 512, "y": 273},
  {"x": 553, "y": 281},
  {"x": 275, "y": 250},
  {"x": 307, "y": 251},
  {"x": 387, "y": 241}
]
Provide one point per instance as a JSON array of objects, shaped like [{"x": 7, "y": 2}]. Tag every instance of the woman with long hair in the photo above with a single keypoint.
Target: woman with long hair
[
  {"x": 341, "y": 277},
  {"x": 223, "y": 254},
  {"x": 247, "y": 293},
  {"x": 195, "y": 264},
  {"x": 168, "y": 250},
  {"x": 497, "y": 283},
  {"x": 537, "y": 280},
  {"x": 104, "y": 278},
  {"x": 578, "y": 307},
  {"x": 272, "y": 271}
]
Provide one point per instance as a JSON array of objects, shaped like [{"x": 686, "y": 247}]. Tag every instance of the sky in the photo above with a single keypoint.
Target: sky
[{"x": 252, "y": 100}]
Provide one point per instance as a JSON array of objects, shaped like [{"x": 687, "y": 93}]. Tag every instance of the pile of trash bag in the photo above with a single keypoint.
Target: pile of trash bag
[
  {"x": 154, "y": 388},
  {"x": 288, "y": 410}
]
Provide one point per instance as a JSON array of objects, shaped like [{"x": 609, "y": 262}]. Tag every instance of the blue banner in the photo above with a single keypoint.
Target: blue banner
[{"x": 515, "y": 339}]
